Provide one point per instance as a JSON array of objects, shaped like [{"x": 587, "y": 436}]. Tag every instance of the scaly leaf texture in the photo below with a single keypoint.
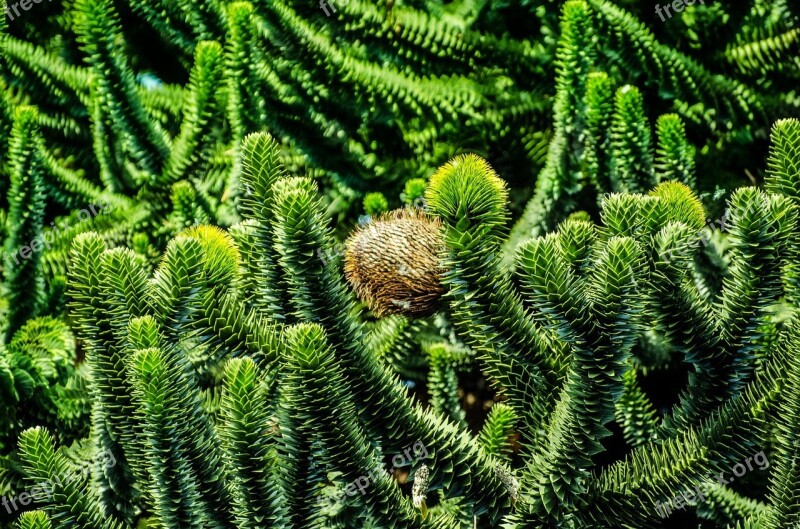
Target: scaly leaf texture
[
  {"x": 119, "y": 106},
  {"x": 24, "y": 244},
  {"x": 674, "y": 154},
  {"x": 783, "y": 177},
  {"x": 248, "y": 436},
  {"x": 525, "y": 361},
  {"x": 630, "y": 142},
  {"x": 70, "y": 505},
  {"x": 34, "y": 520},
  {"x": 192, "y": 148},
  {"x": 261, "y": 168},
  {"x": 318, "y": 295},
  {"x": 163, "y": 396},
  {"x": 443, "y": 385},
  {"x": 784, "y": 495},
  {"x": 100, "y": 322},
  {"x": 311, "y": 380},
  {"x": 561, "y": 176},
  {"x": 496, "y": 435}
]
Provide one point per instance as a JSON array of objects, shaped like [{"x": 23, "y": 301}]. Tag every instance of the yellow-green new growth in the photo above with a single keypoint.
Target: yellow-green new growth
[
  {"x": 221, "y": 255},
  {"x": 467, "y": 189}
]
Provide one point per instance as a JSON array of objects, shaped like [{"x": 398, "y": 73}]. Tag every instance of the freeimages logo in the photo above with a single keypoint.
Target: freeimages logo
[{"x": 24, "y": 4}]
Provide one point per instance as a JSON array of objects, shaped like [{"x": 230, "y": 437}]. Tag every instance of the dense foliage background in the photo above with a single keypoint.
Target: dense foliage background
[{"x": 587, "y": 307}]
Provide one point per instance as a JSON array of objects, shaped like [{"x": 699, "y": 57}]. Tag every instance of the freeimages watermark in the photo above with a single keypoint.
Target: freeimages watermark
[
  {"x": 360, "y": 485},
  {"x": 677, "y": 6},
  {"x": 695, "y": 496},
  {"x": 24, "y": 4},
  {"x": 42, "y": 241},
  {"x": 43, "y": 491},
  {"x": 330, "y": 4},
  {"x": 702, "y": 237}
]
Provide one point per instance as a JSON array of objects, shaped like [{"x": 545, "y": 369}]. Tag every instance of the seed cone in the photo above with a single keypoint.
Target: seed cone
[{"x": 393, "y": 265}]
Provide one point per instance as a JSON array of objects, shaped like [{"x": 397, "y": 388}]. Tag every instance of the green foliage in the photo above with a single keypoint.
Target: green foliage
[
  {"x": 674, "y": 156},
  {"x": 35, "y": 362},
  {"x": 373, "y": 96},
  {"x": 23, "y": 280},
  {"x": 39, "y": 385},
  {"x": 495, "y": 437},
  {"x": 181, "y": 465},
  {"x": 231, "y": 375},
  {"x": 592, "y": 291},
  {"x": 443, "y": 382},
  {"x": 178, "y": 465},
  {"x": 122, "y": 124},
  {"x": 413, "y": 190},
  {"x": 307, "y": 412},
  {"x": 375, "y": 204},
  {"x": 34, "y": 520},
  {"x": 71, "y": 505},
  {"x": 630, "y": 139},
  {"x": 250, "y": 445}
]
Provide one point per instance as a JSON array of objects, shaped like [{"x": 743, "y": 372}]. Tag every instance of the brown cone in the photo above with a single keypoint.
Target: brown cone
[{"x": 393, "y": 265}]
